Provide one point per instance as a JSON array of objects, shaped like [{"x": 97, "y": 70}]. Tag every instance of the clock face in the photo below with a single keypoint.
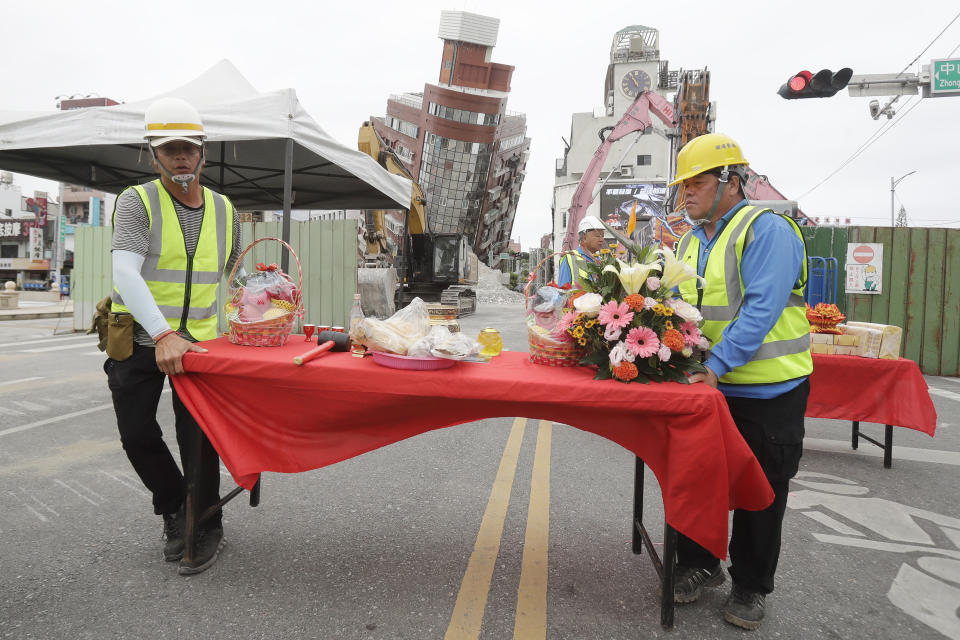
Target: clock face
[{"x": 634, "y": 82}]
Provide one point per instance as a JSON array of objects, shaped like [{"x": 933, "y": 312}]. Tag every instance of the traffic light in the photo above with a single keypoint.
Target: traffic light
[{"x": 823, "y": 84}]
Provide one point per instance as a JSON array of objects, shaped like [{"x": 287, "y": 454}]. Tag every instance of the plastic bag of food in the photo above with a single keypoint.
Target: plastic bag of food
[
  {"x": 421, "y": 348},
  {"x": 264, "y": 294},
  {"x": 455, "y": 346},
  {"x": 397, "y": 333}
]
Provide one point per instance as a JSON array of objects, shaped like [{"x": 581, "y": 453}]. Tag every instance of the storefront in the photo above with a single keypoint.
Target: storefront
[{"x": 25, "y": 272}]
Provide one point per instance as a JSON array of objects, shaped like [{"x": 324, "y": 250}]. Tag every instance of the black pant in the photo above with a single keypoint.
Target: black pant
[
  {"x": 773, "y": 428},
  {"x": 136, "y": 384}
]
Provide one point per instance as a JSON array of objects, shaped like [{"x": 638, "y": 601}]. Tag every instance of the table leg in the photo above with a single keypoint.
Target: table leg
[
  {"x": 255, "y": 493},
  {"x": 192, "y": 509},
  {"x": 637, "y": 505},
  {"x": 888, "y": 446},
  {"x": 854, "y": 434},
  {"x": 669, "y": 565}
]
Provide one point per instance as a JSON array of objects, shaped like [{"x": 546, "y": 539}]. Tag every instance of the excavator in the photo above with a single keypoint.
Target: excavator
[{"x": 436, "y": 267}]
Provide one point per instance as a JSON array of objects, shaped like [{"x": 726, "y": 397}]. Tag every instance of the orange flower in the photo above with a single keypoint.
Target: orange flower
[
  {"x": 673, "y": 339},
  {"x": 626, "y": 371},
  {"x": 635, "y": 300}
]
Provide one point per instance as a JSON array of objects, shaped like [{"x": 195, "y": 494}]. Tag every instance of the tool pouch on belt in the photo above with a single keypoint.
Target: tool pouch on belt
[
  {"x": 99, "y": 322},
  {"x": 120, "y": 336}
]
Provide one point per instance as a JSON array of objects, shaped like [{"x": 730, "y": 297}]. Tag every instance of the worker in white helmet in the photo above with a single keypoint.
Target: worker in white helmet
[
  {"x": 173, "y": 241},
  {"x": 572, "y": 270}
]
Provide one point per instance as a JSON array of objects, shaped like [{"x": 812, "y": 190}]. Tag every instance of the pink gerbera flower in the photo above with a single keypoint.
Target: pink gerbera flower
[
  {"x": 615, "y": 315},
  {"x": 691, "y": 334},
  {"x": 643, "y": 341}
]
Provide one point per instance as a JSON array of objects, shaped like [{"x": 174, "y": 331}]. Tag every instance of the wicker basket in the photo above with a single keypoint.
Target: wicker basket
[
  {"x": 272, "y": 332},
  {"x": 544, "y": 349}
]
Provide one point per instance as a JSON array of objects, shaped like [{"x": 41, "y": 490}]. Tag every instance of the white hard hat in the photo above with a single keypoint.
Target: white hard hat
[
  {"x": 169, "y": 119},
  {"x": 588, "y": 223}
]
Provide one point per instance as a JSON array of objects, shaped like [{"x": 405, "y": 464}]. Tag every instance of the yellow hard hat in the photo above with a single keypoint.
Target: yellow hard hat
[
  {"x": 707, "y": 152},
  {"x": 169, "y": 119}
]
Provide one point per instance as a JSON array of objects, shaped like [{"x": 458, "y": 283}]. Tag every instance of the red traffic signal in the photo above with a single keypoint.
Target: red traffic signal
[{"x": 822, "y": 85}]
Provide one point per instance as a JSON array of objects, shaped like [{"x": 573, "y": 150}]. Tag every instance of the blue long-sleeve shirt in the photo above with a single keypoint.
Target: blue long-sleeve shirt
[
  {"x": 770, "y": 267},
  {"x": 565, "y": 276}
]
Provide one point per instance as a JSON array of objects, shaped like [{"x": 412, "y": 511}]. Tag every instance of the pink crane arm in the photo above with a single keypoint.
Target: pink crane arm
[{"x": 637, "y": 118}]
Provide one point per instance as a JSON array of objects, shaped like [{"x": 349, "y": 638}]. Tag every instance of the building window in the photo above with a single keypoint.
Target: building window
[
  {"x": 643, "y": 160},
  {"x": 462, "y": 115},
  {"x": 404, "y": 127},
  {"x": 8, "y": 212},
  {"x": 512, "y": 141},
  {"x": 405, "y": 154}
]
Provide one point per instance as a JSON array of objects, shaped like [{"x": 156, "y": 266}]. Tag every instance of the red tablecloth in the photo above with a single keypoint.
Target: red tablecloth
[
  {"x": 263, "y": 413},
  {"x": 871, "y": 390}
]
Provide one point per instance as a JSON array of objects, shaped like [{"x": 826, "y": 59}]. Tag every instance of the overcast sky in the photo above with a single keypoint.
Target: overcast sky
[{"x": 345, "y": 58}]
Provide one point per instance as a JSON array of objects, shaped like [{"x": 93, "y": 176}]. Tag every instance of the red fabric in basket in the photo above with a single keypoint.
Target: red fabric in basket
[
  {"x": 871, "y": 390},
  {"x": 264, "y": 413}
]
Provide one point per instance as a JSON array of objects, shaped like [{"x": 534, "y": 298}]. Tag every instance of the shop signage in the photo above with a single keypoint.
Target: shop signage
[
  {"x": 864, "y": 267},
  {"x": 24, "y": 264},
  {"x": 9, "y": 229}
]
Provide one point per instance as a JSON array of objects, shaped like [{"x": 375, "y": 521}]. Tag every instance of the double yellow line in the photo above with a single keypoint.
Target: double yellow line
[{"x": 531, "y": 620}]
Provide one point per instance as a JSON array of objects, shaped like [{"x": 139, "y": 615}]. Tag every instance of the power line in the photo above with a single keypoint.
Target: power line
[{"x": 931, "y": 44}]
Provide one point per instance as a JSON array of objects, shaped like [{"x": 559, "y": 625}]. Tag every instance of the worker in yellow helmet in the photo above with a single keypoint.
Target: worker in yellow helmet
[
  {"x": 172, "y": 242},
  {"x": 754, "y": 265}
]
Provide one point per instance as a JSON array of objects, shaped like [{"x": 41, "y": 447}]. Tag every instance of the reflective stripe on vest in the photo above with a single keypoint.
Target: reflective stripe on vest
[
  {"x": 165, "y": 265},
  {"x": 574, "y": 260},
  {"x": 785, "y": 352}
]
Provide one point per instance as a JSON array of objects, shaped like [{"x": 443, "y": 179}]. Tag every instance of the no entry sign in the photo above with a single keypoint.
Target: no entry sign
[{"x": 864, "y": 267}]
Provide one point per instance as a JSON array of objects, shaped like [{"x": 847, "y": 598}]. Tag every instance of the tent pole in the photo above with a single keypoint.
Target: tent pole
[{"x": 287, "y": 202}]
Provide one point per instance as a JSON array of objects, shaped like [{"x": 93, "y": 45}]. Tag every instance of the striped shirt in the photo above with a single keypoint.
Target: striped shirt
[{"x": 131, "y": 232}]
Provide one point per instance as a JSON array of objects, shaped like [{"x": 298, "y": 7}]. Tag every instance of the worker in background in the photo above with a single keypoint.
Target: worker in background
[
  {"x": 754, "y": 264},
  {"x": 172, "y": 239},
  {"x": 590, "y": 231}
]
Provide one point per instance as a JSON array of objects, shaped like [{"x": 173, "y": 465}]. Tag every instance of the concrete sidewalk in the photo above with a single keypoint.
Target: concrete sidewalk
[{"x": 34, "y": 309}]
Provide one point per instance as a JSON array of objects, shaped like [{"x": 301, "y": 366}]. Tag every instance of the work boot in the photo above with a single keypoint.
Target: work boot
[
  {"x": 173, "y": 525},
  {"x": 208, "y": 544},
  {"x": 744, "y": 608},
  {"x": 689, "y": 582}
]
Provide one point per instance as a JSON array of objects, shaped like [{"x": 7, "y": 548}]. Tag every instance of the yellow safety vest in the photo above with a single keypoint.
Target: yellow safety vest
[
  {"x": 577, "y": 272},
  {"x": 184, "y": 287},
  {"x": 785, "y": 352}
]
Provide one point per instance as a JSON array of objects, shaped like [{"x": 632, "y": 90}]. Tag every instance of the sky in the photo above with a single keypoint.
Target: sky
[{"x": 345, "y": 59}]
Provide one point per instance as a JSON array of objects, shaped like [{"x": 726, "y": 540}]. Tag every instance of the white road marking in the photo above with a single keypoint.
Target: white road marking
[
  {"x": 29, "y": 406},
  {"x": 39, "y": 502},
  {"x": 42, "y": 517},
  {"x": 88, "y": 490},
  {"x": 8, "y": 410},
  {"x": 953, "y": 380},
  {"x": 63, "y": 347},
  {"x": 45, "y": 341},
  {"x": 21, "y": 380},
  {"x": 833, "y": 523},
  {"x": 943, "y": 393},
  {"x": 75, "y": 492},
  {"x": 66, "y": 416},
  {"x": 125, "y": 483},
  {"x": 899, "y": 453}
]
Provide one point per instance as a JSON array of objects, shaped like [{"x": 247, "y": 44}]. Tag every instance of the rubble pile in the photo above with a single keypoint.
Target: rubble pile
[{"x": 490, "y": 291}]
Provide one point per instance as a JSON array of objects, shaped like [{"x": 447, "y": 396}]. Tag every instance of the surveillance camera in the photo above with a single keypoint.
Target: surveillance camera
[{"x": 874, "y": 109}]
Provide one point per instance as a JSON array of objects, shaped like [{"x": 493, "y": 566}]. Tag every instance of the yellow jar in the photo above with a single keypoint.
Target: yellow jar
[{"x": 491, "y": 344}]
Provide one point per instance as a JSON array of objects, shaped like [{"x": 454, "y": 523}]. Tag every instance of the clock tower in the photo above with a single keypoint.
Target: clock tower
[{"x": 635, "y": 66}]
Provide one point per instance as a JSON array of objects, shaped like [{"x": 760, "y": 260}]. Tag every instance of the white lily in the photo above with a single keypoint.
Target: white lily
[
  {"x": 675, "y": 271},
  {"x": 632, "y": 276}
]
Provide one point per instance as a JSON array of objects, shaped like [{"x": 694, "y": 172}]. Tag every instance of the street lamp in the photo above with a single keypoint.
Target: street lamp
[{"x": 893, "y": 186}]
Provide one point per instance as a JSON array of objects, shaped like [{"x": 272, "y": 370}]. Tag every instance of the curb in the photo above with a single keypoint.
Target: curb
[{"x": 28, "y": 314}]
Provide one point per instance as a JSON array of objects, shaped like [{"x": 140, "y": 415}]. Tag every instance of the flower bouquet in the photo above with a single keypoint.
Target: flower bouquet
[{"x": 630, "y": 323}]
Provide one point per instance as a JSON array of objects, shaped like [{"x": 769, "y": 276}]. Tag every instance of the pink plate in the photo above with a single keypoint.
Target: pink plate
[{"x": 395, "y": 361}]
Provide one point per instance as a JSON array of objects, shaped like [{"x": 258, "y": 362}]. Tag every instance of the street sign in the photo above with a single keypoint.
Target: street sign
[
  {"x": 864, "y": 267},
  {"x": 944, "y": 76}
]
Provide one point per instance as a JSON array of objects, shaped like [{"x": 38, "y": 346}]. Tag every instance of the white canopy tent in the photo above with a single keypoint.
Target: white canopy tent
[{"x": 263, "y": 150}]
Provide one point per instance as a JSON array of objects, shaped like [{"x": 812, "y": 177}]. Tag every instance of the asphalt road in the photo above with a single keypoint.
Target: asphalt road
[{"x": 380, "y": 546}]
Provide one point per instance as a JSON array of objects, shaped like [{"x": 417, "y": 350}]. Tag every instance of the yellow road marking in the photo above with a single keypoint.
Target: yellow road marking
[
  {"x": 531, "y": 622},
  {"x": 472, "y": 599}
]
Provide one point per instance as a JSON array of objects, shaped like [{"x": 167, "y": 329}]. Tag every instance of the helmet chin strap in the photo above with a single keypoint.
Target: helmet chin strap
[
  {"x": 724, "y": 179},
  {"x": 183, "y": 180}
]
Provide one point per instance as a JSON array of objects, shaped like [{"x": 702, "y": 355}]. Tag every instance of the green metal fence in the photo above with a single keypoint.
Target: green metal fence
[
  {"x": 921, "y": 288},
  {"x": 327, "y": 250}
]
